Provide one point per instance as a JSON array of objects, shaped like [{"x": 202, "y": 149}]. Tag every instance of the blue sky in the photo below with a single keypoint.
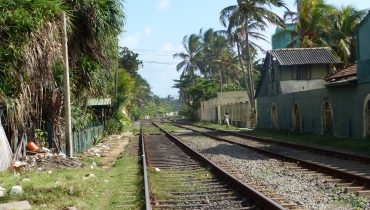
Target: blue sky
[{"x": 155, "y": 28}]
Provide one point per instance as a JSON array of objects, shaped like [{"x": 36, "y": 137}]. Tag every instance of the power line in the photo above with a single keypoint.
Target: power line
[
  {"x": 157, "y": 62},
  {"x": 160, "y": 51}
]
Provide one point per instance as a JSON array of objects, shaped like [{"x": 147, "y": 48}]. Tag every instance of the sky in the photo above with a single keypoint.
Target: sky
[{"x": 155, "y": 29}]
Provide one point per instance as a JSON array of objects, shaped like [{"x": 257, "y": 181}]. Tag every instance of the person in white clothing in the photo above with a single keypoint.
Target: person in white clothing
[{"x": 227, "y": 120}]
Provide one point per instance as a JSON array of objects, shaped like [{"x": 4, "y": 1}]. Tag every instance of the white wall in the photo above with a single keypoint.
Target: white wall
[{"x": 208, "y": 111}]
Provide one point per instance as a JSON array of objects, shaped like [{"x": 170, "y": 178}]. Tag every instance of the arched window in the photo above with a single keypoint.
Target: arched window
[
  {"x": 296, "y": 119},
  {"x": 367, "y": 118},
  {"x": 327, "y": 118},
  {"x": 274, "y": 119}
]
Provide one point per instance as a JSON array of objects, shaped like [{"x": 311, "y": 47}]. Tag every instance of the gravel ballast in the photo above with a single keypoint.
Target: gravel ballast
[{"x": 309, "y": 191}]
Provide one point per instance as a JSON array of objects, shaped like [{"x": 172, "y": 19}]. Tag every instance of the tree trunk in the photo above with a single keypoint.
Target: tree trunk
[
  {"x": 253, "y": 120},
  {"x": 249, "y": 67},
  {"x": 242, "y": 65}
]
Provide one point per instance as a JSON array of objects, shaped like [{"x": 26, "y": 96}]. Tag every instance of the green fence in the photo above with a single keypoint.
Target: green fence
[{"x": 83, "y": 140}]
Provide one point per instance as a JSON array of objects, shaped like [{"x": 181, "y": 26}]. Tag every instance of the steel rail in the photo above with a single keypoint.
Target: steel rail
[
  {"x": 301, "y": 162},
  {"x": 327, "y": 152},
  {"x": 145, "y": 172},
  {"x": 239, "y": 186}
]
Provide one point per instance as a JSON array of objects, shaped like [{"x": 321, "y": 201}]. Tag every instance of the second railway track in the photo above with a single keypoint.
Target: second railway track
[
  {"x": 350, "y": 183},
  {"x": 180, "y": 179},
  {"x": 353, "y": 174}
]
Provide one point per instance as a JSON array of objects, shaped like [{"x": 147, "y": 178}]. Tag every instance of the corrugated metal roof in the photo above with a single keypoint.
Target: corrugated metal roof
[
  {"x": 99, "y": 102},
  {"x": 302, "y": 56},
  {"x": 343, "y": 73}
]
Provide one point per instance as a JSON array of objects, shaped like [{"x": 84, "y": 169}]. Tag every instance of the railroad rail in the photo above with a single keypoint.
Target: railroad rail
[
  {"x": 181, "y": 178},
  {"x": 351, "y": 173},
  {"x": 327, "y": 152}
]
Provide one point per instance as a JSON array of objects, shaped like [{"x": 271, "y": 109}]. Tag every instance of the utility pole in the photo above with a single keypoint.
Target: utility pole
[{"x": 67, "y": 96}]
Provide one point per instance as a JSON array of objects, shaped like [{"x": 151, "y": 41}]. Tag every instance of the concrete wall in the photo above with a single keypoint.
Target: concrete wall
[
  {"x": 235, "y": 103},
  {"x": 292, "y": 86},
  {"x": 348, "y": 105},
  {"x": 286, "y": 82},
  {"x": 363, "y": 34}
]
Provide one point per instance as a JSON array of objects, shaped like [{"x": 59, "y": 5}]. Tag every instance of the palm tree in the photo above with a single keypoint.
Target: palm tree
[
  {"x": 236, "y": 38},
  {"x": 216, "y": 54},
  {"x": 243, "y": 14},
  {"x": 188, "y": 65},
  {"x": 346, "y": 20},
  {"x": 321, "y": 25},
  {"x": 312, "y": 24}
]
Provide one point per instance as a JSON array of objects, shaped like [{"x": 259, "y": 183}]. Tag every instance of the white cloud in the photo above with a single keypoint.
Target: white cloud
[
  {"x": 163, "y": 4},
  {"x": 148, "y": 31},
  {"x": 131, "y": 41}
]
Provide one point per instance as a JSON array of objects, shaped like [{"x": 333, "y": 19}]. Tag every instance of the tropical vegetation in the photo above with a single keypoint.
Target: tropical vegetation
[
  {"x": 229, "y": 58},
  {"x": 31, "y": 55},
  {"x": 212, "y": 55},
  {"x": 318, "y": 24}
]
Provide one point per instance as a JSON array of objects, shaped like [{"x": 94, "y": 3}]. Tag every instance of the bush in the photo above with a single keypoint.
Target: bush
[{"x": 118, "y": 123}]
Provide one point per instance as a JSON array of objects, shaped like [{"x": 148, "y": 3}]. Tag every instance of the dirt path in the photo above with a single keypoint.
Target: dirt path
[{"x": 109, "y": 149}]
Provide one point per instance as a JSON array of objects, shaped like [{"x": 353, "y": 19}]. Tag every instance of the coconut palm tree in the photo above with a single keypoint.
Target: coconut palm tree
[
  {"x": 236, "y": 39},
  {"x": 188, "y": 65},
  {"x": 346, "y": 20},
  {"x": 244, "y": 13},
  {"x": 318, "y": 24}
]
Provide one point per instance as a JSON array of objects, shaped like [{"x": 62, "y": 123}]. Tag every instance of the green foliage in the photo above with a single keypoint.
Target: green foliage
[
  {"x": 82, "y": 118},
  {"x": 233, "y": 87},
  {"x": 18, "y": 19},
  {"x": 194, "y": 90},
  {"x": 117, "y": 123},
  {"x": 129, "y": 61},
  {"x": 318, "y": 24},
  {"x": 166, "y": 105},
  {"x": 30, "y": 58}
]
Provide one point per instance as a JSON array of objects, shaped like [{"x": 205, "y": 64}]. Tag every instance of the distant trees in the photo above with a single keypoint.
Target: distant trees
[
  {"x": 229, "y": 57},
  {"x": 217, "y": 65},
  {"x": 209, "y": 63}
]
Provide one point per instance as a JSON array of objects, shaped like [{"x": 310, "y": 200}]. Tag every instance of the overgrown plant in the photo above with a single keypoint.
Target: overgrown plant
[{"x": 31, "y": 64}]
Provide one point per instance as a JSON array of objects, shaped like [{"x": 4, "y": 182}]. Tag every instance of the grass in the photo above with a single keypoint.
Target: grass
[
  {"x": 67, "y": 187},
  {"x": 151, "y": 130},
  {"x": 169, "y": 127},
  {"x": 216, "y": 126},
  {"x": 357, "y": 146},
  {"x": 172, "y": 180}
]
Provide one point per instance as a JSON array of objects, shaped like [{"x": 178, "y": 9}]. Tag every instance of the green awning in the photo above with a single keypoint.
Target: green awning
[{"x": 99, "y": 102}]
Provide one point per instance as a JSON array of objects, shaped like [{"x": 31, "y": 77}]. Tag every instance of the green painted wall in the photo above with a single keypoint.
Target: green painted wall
[
  {"x": 363, "y": 51},
  {"x": 282, "y": 40},
  {"x": 347, "y": 104}
]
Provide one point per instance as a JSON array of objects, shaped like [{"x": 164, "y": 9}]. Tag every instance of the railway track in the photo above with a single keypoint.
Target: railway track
[
  {"x": 346, "y": 170},
  {"x": 181, "y": 178}
]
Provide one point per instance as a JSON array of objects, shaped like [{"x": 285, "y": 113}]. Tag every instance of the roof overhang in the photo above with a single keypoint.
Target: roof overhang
[{"x": 99, "y": 102}]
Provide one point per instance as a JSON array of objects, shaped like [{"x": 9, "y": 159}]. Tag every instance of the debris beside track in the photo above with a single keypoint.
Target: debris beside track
[
  {"x": 46, "y": 161},
  {"x": 109, "y": 149}
]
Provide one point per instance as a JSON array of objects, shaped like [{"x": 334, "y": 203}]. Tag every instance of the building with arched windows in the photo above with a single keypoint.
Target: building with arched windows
[{"x": 301, "y": 90}]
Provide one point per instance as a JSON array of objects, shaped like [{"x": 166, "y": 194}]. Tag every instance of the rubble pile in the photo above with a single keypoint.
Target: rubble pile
[
  {"x": 46, "y": 160},
  {"x": 98, "y": 150}
]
